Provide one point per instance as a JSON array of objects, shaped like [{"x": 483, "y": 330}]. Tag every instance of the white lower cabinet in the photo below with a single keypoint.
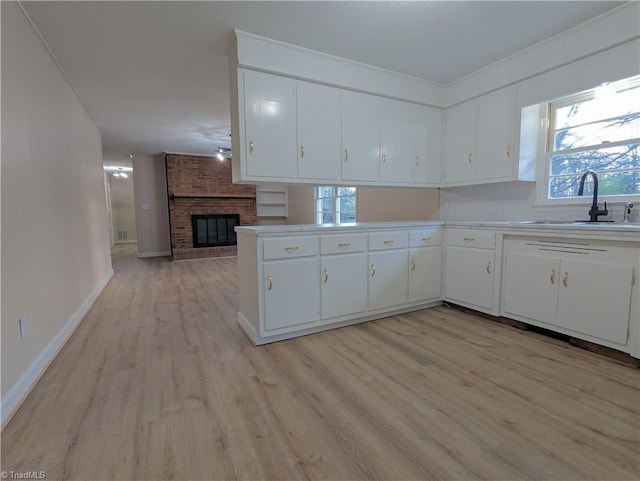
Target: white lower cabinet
[
  {"x": 425, "y": 273},
  {"x": 387, "y": 278},
  {"x": 291, "y": 293},
  {"x": 470, "y": 274},
  {"x": 293, "y": 284},
  {"x": 552, "y": 283},
  {"x": 469, "y": 277},
  {"x": 342, "y": 288}
]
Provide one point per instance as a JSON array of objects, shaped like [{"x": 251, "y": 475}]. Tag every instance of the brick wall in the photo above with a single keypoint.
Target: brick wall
[{"x": 202, "y": 185}]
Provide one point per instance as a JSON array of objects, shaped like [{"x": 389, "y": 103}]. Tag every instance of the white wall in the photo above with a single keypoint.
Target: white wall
[
  {"x": 123, "y": 208},
  {"x": 151, "y": 206},
  {"x": 55, "y": 237}
]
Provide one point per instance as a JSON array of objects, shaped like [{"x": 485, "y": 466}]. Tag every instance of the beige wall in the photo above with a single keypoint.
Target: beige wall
[
  {"x": 375, "y": 204},
  {"x": 300, "y": 204},
  {"x": 152, "y": 208},
  {"x": 55, "y": 233}
]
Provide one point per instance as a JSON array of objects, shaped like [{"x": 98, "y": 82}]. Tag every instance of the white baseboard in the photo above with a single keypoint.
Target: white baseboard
[
  {"x": 22, "y": 387},
  {"x": 154, "y": 254}
]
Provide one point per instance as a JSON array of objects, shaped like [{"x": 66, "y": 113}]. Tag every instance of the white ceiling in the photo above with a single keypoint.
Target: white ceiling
[{"x": 154, "y": 75}]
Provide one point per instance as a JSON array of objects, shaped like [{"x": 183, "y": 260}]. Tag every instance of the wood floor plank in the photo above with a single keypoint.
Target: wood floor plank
[{"x": 159, "y": 382}]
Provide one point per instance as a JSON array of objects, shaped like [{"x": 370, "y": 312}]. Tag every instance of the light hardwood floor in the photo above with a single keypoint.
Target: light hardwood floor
[{"x": 159, "y": 382}]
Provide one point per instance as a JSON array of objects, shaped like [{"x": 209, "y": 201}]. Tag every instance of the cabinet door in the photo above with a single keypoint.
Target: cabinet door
[
  {"x": 595, "y": 299},
  {"x": 388, "y": 279},
  {"x": 291, "y": 293},
  {"x": 427, "y": 146},
  {"x": 396, "y": 141},
  {"x": 425, "y": 273},
  {"x": 460, "y": 139},
  {"x": 319, "y": 132},
  {"x": 343, "y": 285},
  {"x": 469, "y": 276},
  {"x": 270, "y": 125},
  {"x": 495, "y": 134},
  {"x": 360, "y": 137},
  {"x": 531, "y": 287}
]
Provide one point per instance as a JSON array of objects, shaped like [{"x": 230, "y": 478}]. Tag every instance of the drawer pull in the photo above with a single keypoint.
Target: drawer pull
[
  {"x": 346, "y": 155},
  {"x": 343, "y": 245},
  {"x": 565, "y": 279},
  {"x": 469, "y": 239},
  {"x": 326, "y": 275},
  {"x": 388, "y": 242},
  {"x": 251, "y": 146},
  {"x": 269, "y": 282},
  {"x": 373, "y": 270},
  {"x": 489, "y": 267},
  {"x": 413, "y": 264},
  {"x": 426, "y": 239},
  {"x": 291, "y": 249},
  {"x": 552, "y": 277}
]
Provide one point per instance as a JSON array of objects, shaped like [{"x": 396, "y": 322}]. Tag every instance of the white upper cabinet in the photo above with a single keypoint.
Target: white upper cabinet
[
  {"x": 480, "y": 141},
  {"x": 496, "y": 134},
  {"x": 427, "y": 146},
  {"x": 269, "y": 136},
  {"x": 396, "y": 141},
  {"x": 319, "y": 131},
  {"x": 360, "y": 137},
  {"x": 460, "y": 140}
]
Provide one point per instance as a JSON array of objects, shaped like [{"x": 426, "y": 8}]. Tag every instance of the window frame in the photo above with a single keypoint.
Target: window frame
[
  {"x": 545, "y": 148},
  {"x": 335, "y": 209}
]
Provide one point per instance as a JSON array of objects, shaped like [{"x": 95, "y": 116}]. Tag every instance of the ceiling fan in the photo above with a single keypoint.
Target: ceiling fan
[{"x": 223, "y": 153}]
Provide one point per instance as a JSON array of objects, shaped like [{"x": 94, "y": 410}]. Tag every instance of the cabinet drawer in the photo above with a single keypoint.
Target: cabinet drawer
[
  {"x": 388, "y": 240},
  {"x": 290, "y": 247},
  {"x": 338, "y": 244},
  {"x": 425, "y": 237},
  {"x": 482, "y": 239}
]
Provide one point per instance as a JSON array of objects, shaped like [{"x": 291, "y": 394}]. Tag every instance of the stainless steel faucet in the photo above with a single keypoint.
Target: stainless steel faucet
[
  {"x": 595, "y": 211},
  {"x": 627, "y": 212}
]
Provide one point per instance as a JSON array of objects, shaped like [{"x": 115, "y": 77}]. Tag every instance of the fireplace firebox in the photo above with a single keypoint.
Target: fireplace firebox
[{"x": 213, "y": 230}]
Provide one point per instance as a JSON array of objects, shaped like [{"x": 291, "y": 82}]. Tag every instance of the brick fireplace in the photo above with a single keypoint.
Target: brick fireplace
[{"x": 201, "y": 186}]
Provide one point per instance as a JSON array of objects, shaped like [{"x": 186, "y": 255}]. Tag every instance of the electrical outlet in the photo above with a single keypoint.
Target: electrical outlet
[{"x": 23, "y": 323}]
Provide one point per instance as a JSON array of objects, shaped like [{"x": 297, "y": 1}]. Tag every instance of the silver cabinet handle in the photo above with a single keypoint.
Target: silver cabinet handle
[
  {"x": 346, "y": 155},
  {"x": 344, "y": 245},
  {"x": 326, "y": 275},
  {"x": 302, "y": 151},
  {"x": 269, "y": 282},
  {"x": 552, "y": 276},
  {"x": 489, "y": 267},
  {"x": 251, "y": 146},
  {"x": 373, "y": 270},
  {"x": 291, "y": 249},
  {"x": 387, "y": 242},
  {"x": 413, "y": 264},
  {"x": 565, "y": 279}
]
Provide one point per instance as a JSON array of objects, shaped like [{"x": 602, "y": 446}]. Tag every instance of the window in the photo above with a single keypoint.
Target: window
[
  {"x": 335, "y": 205},
  {"x": 596, "y": 130}
]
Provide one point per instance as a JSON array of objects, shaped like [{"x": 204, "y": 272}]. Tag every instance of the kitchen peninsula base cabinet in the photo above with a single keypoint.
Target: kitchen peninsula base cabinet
[
  {"x": 297, "y": 280},
  {"x": 579, "y": 287}
]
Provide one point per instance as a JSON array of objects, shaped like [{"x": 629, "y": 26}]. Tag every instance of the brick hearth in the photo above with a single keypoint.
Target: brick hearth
[{"x": 202, "y": 185}]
